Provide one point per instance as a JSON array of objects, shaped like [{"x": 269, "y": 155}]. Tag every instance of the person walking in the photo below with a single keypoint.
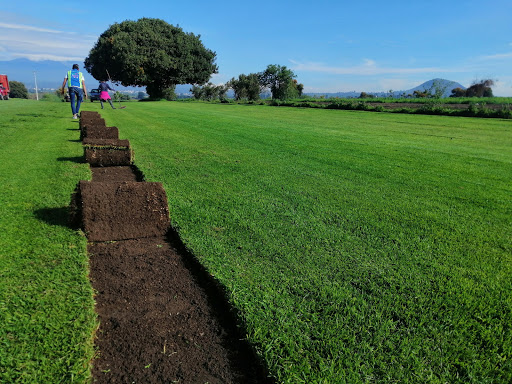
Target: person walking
[
  {"x": 104, "y": 96},
  {"x": 76, "y": 87}
]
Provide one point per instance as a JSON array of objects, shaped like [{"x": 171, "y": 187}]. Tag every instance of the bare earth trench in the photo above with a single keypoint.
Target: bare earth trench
[{"x": 162, "y": 317}]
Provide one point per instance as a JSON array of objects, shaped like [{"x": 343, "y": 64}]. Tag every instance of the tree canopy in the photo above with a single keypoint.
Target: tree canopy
[
  {"x": 209, "y": 92},
  {"x": 152, "y": 53},
  {"x": 17, "y": 90},
  {"x": 280, "y": 81},
  {"x": 480, "y": 88},
  {"x": 246, "y": 87}
]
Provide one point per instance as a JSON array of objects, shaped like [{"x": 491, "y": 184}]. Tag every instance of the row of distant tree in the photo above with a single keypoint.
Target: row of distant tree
[
  {"x": 479, "y": 88},
  {"x": 279, "y": 79},
  {"x": 282, "y": 84}
]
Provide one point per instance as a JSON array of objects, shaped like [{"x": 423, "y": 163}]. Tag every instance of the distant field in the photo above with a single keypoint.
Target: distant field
[
  {"x": 444, "y": 100},
  {"x": 356, "y": 247},
  {"x": 484, "y": 107}
]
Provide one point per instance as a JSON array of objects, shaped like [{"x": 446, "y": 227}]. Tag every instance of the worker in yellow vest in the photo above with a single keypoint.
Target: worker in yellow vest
[{"x": 76, "y": 87}]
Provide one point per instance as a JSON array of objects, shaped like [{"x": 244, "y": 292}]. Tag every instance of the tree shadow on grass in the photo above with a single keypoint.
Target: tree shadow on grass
[
  {"x": 53, "y": 216},
  {"x": 75, "y": 159}
]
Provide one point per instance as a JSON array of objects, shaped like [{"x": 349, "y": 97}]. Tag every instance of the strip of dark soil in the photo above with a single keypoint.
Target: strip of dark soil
[
  {"x": 122, "y": 211},
  {"x": 157, "y": 325},
  {"x": 163, "y": 319},
  {"x": 108, "y": 157},
  {"x": 99, "y": 132},
  {"x": 113, "y": 174},
  {"x": 107, "y": 143}
]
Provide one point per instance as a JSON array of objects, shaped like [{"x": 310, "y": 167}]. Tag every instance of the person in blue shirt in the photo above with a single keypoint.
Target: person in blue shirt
[{"x": 76, "y": 87}]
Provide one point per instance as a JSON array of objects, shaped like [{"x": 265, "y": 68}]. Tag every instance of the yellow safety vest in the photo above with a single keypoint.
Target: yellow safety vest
[{"x": 81, "y": 79}]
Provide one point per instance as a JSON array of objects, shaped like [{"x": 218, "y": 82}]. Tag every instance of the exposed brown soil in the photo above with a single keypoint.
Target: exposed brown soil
[
  {"x": 157, "y": 325},
  {"x": 84, "y": 115},
  {"x": 108, "y": 157},
  {"x": 111, "y": 143},
  {"x": 93, "y": 122},
  {"x": 163, "y": 319},
  {"x": 107, "y": 152},
  {"x": 127, "y": 210},
  {"x": 112, "y": 174},
  {"x": 99, "y": 132}
]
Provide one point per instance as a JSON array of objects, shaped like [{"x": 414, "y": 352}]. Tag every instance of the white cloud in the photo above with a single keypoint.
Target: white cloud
[
  {"x": 497, "y": 56},
  {"x": 368, "y": 68},
  {"x": 30, "y": 28},
  {"x": 35, "y": 43},
  {"x": 41, "y": 44},
  {"x": 46, "y": 56},
  {"x": 370, "y": 63}
]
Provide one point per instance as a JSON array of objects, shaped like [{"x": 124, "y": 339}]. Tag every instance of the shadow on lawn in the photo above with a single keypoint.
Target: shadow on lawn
[
  {"x": 75, "y": 159},
  {"x": 53, "y": 216}
]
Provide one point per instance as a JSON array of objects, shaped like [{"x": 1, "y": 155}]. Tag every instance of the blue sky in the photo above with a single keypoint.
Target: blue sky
[{"x": 331, "y": 45}]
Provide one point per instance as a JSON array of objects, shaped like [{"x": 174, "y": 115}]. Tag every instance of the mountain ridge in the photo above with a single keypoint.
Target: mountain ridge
[{"x": 443, "y": 84}]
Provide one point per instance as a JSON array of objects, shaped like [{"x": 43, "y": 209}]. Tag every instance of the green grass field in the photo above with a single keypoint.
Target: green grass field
[
  {"x": 357, "y": 247},
  {"x": 46, "y": 305}
]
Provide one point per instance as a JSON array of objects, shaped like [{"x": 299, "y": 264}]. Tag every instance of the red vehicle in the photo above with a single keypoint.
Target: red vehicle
[{"x": 4, "y": 87}]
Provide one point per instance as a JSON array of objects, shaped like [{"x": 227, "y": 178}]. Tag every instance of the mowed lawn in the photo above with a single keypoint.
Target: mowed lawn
[
  {"x": 46, "y": 301},
  {"x": 356, "y": 246}
]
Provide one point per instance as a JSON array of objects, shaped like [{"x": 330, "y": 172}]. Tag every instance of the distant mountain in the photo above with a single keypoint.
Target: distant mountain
[
  {"x": 446, "y": 85},
  {"x": 49, "y": 74},
  {"x": 442, "y": 84}
]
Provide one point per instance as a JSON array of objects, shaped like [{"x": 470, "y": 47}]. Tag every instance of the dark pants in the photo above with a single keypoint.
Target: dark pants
[
  {"x": 109, "y": 100},
  {"x": 78, "y": 94}
]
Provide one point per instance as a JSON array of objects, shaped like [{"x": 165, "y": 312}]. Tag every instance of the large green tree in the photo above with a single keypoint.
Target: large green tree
[
  {"x": 151, "y": 53},
  {"x": 280, "y": 80}
]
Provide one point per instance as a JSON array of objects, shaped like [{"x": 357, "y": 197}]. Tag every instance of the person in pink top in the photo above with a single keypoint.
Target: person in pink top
[{"x": 104, "y": 96}]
